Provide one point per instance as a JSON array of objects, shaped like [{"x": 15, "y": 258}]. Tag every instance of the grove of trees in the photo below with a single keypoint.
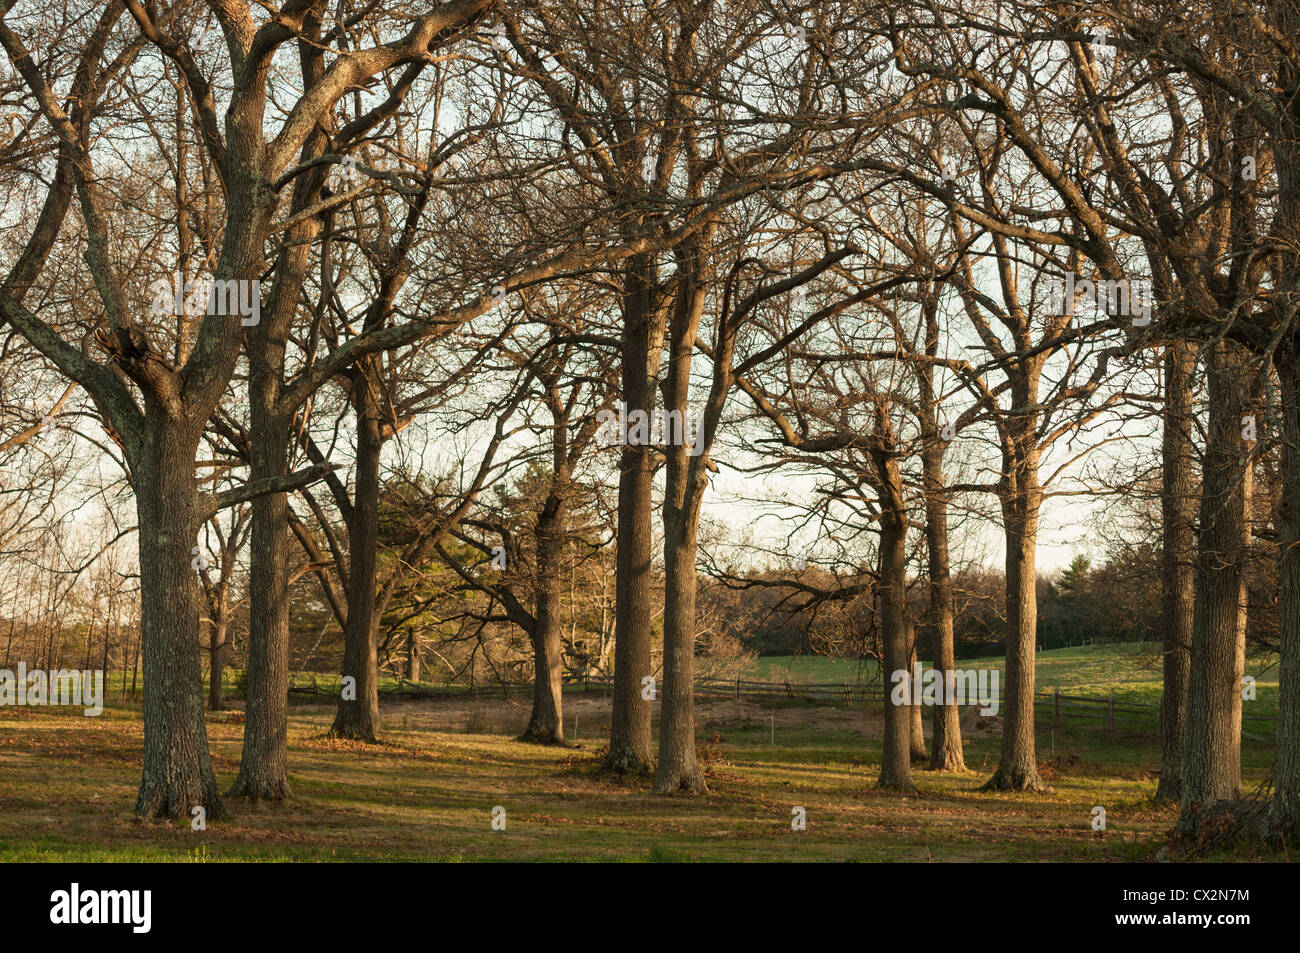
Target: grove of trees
[{"x": 480, "y": 339}]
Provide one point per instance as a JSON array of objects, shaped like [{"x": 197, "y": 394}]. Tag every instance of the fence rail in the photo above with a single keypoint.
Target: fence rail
[{"x": 1054, "y": 705}]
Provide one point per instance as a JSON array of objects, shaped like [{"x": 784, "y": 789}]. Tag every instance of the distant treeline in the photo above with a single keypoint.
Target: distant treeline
[{"x": 1117, "y": 600}]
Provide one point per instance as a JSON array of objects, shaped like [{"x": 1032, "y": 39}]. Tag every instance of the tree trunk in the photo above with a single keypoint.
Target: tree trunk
[
  {"x": 358, "y": 718},
  {"x": 135, "y": 664},
  {"x": 177, "y": 775},
  {"x": 1018, "y": 767},
  {"x": 917, "y": 731},
  {"x": 630, "y": 749},
  {"x": 546, "y": 723},
  {"x": 679, "y": 768},
  {"x": 1177, "y": 563},
  {"x": 946, "y": 747},
  {"x": 216, "y": 664},
  {"x": 264, "y": 761},
  {"x": 413, "y": 655},
  {"x": 917, "y": 736},
  {"x": 684, "y": 487},
  {"x": 1283, "y": 819},
  {"x": 263, "y": 766},
  {"x": 895, "y": 760},
  {"x": 1284, "y": 808},
  {"x": 1212, "y": 750},
  {"x": 108, "y": 632}
]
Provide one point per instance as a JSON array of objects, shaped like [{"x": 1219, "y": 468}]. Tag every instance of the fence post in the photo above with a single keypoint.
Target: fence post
[
  {"x": 1056, "y": 707},
  {"x": 1110, "y": 714},
  {"x": 737, "y": 688}
]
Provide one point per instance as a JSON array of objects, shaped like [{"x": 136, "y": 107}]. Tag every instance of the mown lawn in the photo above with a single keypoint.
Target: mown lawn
[
  {"x": 1129, "y": 671},
  {"x": 67, "y": 784}
]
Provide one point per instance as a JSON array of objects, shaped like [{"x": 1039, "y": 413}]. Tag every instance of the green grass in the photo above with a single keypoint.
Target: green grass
[
  {"x": 1129, "y": 671},
  {"x": 67, "y": 785}
]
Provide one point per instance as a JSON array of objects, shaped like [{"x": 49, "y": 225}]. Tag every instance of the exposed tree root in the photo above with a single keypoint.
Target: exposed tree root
[{"x": 1023, "y": 779}]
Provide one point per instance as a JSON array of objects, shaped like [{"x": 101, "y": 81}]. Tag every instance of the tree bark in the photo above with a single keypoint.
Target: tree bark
[
  {"x": 1283, "y": 819},
  {"x": 630, "y": 749},
  {"x": 895, "y": 759},
  {"x": 917, "y": 731},
  {"x": 546, "y": 722},
  {"x": 413, "y": 654},
  {"x": 216, "y": 664},
  {"x": 679, "y": 768},
  {"x": 1021, "y": 498},
  {"x": 358, "y": 718},
  {"x": 685, "y": 484},
  {"x": 1177, "y": 563},
  {"x": 946, "y": 748},
  {"x": 1212, "y": 750},
  {"x": 264, "y": 760},
  {"x": 177, "y": 775}
]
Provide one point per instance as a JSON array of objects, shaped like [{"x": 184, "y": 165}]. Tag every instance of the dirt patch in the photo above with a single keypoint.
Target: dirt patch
[
  {"x": 973, "y": 721},
  {"x": 488, "y": 715},
  {"x": 729, "y": 713}
]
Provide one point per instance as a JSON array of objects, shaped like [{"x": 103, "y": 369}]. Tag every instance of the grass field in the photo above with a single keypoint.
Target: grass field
[
  {"x": 67, "y": 785},
  {"x": 1129, "y": 671}
]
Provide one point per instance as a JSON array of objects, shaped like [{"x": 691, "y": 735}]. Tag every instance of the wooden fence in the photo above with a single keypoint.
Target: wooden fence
[
  {"x": 1133, "y": 715},
  {"x": 1050, "y": 707}
]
